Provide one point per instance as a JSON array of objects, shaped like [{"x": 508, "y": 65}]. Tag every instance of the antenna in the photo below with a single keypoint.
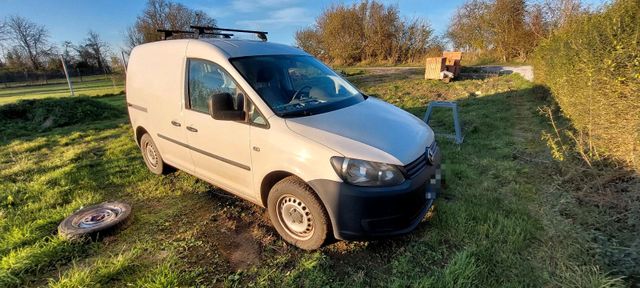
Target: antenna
[{"x": 262, "y": 35}]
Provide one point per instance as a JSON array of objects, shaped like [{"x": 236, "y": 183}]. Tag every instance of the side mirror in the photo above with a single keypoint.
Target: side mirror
[{"x": 221, "y": 107}]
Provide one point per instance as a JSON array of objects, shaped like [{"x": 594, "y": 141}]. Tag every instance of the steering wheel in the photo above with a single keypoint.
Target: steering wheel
[{"x": 300, "y": 90}]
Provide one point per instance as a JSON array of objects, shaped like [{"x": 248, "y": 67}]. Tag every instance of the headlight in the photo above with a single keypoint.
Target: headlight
[{"x": 366, "y": 173}]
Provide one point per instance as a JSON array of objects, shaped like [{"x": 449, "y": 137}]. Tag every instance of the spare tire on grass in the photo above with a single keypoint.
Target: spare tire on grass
[{"x": 95, "y": 220}]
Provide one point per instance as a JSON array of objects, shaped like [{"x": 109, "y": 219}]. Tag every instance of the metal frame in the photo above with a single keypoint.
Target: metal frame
[
  {"x": 456, "y": 120},
  {"x": 208, "y": 30},
  {"x": 262, "y": 35}
]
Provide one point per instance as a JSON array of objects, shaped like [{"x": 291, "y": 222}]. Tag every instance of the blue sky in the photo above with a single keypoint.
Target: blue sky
[{"x": 71, "y": 20}]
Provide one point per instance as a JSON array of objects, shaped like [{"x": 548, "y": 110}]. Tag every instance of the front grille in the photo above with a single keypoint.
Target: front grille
[{"x": 412, "y": 169}]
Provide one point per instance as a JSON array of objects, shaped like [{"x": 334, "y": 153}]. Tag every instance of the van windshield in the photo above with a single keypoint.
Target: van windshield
[{"x": 295, "y": 86}]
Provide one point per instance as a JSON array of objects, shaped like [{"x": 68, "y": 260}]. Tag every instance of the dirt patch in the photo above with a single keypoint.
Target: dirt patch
[
  {"x": 227, "y": 234},
  {"x": 242, "y": 251}
]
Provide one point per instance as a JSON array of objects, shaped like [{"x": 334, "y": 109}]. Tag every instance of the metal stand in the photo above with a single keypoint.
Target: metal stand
[{"x": 456, "y": 122}]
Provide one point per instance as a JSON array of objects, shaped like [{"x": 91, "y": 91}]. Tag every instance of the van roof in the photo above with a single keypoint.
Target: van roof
[
  {"x": 232, "y": 48},
  {"x": 239, "y": 48}
]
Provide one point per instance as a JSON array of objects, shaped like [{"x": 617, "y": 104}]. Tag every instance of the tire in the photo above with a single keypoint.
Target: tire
[
  {"x": 102, "y": 218},
  {"x": 307, "y": 225},
  {"x": 152, "y": 157}
]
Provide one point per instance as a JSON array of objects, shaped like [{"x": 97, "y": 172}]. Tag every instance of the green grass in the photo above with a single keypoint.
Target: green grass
[
  {"x": 497, "y": 223},
  {"x": 91, "y": 86}
]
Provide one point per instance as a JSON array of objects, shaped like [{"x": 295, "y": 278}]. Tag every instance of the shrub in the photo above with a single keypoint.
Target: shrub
[
  {"x": 592, "y": 67},
  {"x": 27, "y": 116}
]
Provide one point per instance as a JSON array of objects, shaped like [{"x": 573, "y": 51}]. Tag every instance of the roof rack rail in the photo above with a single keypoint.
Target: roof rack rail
[
  {"x": 201, "y": 30},
  {"x": 169, "y": 33},
  {"x": 262, "y": 35}
]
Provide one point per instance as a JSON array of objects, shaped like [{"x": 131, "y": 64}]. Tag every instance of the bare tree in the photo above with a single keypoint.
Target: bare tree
[
  {"x": 3, "y": 39},
  {"x": 164, "y": 14},
  {"x": 30, "y": 39},
  {"x": 4, "y": 33},
  {"x": 97, "y": 49},
  {"x": 559, "y": 12},
  {"x": 67, "y": 47}
]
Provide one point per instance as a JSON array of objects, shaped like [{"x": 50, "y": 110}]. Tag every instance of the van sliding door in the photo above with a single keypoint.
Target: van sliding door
[{"x": 220, "y": 149}]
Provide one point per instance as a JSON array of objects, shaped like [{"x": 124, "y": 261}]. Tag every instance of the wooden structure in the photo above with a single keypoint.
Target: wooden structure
[
  {"x": 434, "y": 67},
  {"x": 443, "y": 68}
]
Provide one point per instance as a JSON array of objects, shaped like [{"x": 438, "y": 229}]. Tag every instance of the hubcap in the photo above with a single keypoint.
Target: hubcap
[
  {"x": 97, "y": 217},
  {"x": 295, "y": 217},
  {"x": 152, "y": 156}
]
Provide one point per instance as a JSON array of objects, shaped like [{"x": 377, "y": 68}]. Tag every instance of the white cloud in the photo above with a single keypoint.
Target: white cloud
[
  {"x": 251, "y": 6},
  {"x": 280, "y": 18}
]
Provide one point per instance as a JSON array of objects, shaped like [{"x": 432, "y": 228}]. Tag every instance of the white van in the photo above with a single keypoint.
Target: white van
[{"x": 273, "y": 125}]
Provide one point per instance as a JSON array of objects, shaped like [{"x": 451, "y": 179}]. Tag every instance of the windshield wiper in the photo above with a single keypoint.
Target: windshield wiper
[{"x": 295, "y": 113}]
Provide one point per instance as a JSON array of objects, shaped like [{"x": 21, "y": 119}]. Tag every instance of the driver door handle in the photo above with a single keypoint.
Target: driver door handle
[
  {"x": 175, "y": 123},
  {"x": 192, "y": 129}
]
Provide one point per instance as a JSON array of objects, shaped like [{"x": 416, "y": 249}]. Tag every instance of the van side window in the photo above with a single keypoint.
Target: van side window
[
  {"x": 206, "y": 79},
  {"x": 255, "y": 117}
]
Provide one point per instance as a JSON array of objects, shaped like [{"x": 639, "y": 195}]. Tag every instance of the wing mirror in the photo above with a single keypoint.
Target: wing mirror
[{"x": 221, "y": 107}]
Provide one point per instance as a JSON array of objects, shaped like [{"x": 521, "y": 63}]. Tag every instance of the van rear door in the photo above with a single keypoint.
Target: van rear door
[
  {"x": 220, "y": 149},
  {"x": 155, "y": 85}
]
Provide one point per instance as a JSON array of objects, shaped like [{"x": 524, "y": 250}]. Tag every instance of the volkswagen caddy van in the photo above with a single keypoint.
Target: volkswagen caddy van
[{"x": 275, "y": 126}]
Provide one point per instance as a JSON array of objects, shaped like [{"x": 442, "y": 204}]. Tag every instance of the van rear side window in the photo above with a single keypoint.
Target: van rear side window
[{"x": 206, "y": 79}]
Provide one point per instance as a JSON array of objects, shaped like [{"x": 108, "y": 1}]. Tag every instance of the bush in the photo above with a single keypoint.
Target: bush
[
  {"x": 368, "y": 32},
  {"x": 27, "y": 116},
  {"x": 592, "y": 67}
]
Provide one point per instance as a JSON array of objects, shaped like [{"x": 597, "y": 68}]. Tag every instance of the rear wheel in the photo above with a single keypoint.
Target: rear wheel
[
  {"x": 152, "y": 156},
  {"x": 297, "y": 214}
]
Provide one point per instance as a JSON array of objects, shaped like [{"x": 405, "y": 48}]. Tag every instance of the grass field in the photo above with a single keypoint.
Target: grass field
[
  {"x": 499, "y": 222},
  {"x": 90, "y": 86}
]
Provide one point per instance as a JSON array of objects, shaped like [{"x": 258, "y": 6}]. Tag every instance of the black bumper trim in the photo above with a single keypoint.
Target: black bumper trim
[{"x": 371, "y": 212}]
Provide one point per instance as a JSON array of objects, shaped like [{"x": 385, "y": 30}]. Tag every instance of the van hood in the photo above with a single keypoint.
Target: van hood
[{"x": 371, "y": 130}]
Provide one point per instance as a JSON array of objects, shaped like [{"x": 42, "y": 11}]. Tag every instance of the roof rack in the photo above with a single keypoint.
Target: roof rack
[
  {"x": 201, "y": 31},
  {"x": 209, "y": 30},
  {"x": 169, "y": 33},
  {"x": 262, "y": 35}
]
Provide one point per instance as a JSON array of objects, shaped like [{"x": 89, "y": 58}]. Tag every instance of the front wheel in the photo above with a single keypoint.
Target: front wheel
[{"x": 297, "y": 214}]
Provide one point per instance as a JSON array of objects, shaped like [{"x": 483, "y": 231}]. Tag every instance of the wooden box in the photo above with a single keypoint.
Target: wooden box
[
  {"x": 452, "y": 56},
  {"x": 434, "y": 66}
]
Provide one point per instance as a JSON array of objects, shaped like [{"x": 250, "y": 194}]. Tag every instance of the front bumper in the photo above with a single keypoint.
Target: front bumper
[{"x": 370, "y": 212}]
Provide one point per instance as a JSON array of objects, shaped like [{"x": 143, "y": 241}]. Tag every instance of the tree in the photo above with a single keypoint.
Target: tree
[
  {"x": 469, "y": 27},
  {"x": 96, "y": 50},
  {"x": 309, "y": 39},
  {"x": 67, "y": 46},
  {"x": 560, "y": 12},
  {"x": 159, "y": 14},
  {"x": 3, "y": 33},
  {"x": 30, "y": 39},
  {"x": 342, "y": 34},
  {"x": 15, "y": 59},
  {"x": 511, "y": 38},
  {"x": 367, "y": 31},
  {"x": 508, "y": 29}
]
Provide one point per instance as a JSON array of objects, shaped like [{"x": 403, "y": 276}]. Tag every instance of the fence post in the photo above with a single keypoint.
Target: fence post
[
  {"x": 66, "y": 74},
  {"x": 124, "y": 62}
]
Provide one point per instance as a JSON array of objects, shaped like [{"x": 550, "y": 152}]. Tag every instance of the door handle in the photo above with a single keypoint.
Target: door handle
[
  {"x": 175, "y": 123},
  {"x": 192, "y": 129}
]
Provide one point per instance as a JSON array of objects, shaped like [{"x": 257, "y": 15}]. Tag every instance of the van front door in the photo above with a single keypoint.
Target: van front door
[{"x": 220, "y": 149}]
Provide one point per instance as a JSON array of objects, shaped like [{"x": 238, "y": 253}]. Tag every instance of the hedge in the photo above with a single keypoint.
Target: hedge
[{"x": 592, "y": 67}]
